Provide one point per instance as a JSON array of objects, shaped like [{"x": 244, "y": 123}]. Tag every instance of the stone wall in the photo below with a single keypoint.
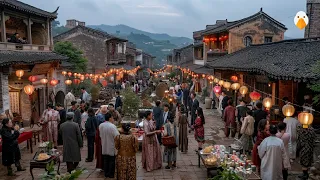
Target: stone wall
[
  {"x": 39, "y": 34},
  {"x": 257, "y": 30},
  {"x": 186, "y": 54},
  {"x": 94, "y": 49},
  {"x": 313, "y": 12}
]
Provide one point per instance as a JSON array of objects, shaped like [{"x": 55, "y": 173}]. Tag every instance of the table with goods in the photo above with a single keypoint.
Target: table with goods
[
  {"x": 44, "y": 157},
  {"x": 218, "y": 158}
]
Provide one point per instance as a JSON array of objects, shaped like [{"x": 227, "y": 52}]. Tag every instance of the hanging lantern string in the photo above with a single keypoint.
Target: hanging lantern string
[{"x": 255, "y": 89}]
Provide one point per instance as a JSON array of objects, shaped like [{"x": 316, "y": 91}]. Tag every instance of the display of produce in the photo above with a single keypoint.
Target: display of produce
[{"x": 43, "y": 157}]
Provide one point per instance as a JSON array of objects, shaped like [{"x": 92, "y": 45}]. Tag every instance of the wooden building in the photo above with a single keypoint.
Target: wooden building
[{"x": 26, "y": 46}]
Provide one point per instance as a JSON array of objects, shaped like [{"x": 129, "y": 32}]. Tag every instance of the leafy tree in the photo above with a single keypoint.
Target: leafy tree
[
  {"x": 316, "y": 86},
  {"x": 75, "y": 55},
  {"x": 131, "y": 102},
  {"x": 55, "y": 24}
]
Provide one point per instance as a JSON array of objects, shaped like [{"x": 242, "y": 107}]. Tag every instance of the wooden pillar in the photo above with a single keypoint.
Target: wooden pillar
[
  {"x": 205, "y": 53},
  {"x": 29, "y": 31},
  {"x": 273, "y": 99},
  {"x": 3, "y": 28}
]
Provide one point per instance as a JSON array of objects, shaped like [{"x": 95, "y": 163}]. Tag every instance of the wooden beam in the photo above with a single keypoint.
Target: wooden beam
[{"x": 273, "y": 99}]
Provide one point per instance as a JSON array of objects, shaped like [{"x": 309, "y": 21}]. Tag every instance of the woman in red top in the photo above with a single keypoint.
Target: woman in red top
[
  {"x": 198, "y": 128},
  {"x": 263, "y": 132},
  {"x": 229, "y": 117}
]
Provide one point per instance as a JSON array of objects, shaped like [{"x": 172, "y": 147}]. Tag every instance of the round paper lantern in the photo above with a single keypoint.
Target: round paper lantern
[
  {"x": 69, "y": 74},
  {"x": 104, "y": 74},
  {"x": 221, "y": 82},
  {"x": 267, "y": 102},
  {"x": 19, "y": 73},
  {"x": 255, "y": 96},
  {"x": 54, "y": 82},
  {"x": 203, "y": 76},
  {"x": 44, "y": 81},
  {"x": 94, "y": 81},
  {"x": 75, "y": 75},
  {"x": 104, "y": 83},
  {"x": 234, "y": 78},
  {"x": 64, "y": 73},
  {"x": 217, "y": 89},
  {"x": 68, "y": 82},
  {"x": 305, "y": 119},
  {"x": 243, "y": 90},
  {"x": 216, "y": 80},
  {"x": 28, "y": 89},
  {"x": 79, "y": 75},
  {"x": 235, "y": 86},
  {"x": 32, "y": 78},
  {"x": 227, "y": 85},
  {"x": 288, "y": 110},
  {"x": 76, "y": 81},
  {"x": 90, "y": 75},
  {"x": 82, "y": 77},
  {"x": 87, "y": 76}
]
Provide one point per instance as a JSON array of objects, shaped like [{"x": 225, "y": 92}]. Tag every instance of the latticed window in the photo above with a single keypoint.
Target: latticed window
[{"x": 247, "y": 41}]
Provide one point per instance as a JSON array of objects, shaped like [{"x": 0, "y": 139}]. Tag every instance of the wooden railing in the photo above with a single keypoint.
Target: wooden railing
[{"x": 24, "y": 47}]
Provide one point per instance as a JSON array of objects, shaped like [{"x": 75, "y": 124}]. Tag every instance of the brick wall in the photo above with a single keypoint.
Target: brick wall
[
  {"x": 313, "y": 12},
  {"x": 257, "y": 30}
]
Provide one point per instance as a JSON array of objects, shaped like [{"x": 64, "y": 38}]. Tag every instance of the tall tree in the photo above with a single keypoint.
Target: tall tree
[
  {"x": 316, "y": 86},
  {"x": 55, "y": 24},
  {"x": 75, "y": 55}
]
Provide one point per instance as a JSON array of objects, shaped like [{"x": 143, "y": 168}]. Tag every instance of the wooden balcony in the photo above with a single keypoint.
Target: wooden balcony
[
  {"x": 117, "y": 58},
  {"x": 24, "y": 47}
]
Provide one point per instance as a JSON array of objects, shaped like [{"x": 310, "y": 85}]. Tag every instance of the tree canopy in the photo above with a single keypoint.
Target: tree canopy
[{"x": 75, "y": 55}]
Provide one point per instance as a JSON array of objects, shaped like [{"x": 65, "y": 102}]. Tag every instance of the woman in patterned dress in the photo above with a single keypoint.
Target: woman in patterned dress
[
  {"x": 198, "y": 128},
  {"x": 127, "y": 146},
  {"x": 306, "y": 140},
  {"x": 151, "y": 150}
]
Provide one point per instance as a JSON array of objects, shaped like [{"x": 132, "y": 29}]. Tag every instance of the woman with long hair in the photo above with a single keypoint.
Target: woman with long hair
[
  {"x": 198, "y": 128},
  {"x": 127, "y": 146},
  {"x": 151, "y": 150},
  {"x": 263, "y": 132},
  {"x": 183, "y": 130},
  {"x": 246, "y": 131}
]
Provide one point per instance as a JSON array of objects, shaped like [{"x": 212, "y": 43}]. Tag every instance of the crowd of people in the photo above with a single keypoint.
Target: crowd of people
[{"x": 272, "y": 147}]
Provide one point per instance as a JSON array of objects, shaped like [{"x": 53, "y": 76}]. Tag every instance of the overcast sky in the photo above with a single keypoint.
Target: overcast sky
[{"x": 175, "y": 17}]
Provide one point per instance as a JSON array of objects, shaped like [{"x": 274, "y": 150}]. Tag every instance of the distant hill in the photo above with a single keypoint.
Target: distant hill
[{"x": 126, "y": 30}]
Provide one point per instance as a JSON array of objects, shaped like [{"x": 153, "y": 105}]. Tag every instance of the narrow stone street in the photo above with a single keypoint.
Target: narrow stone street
[{"x": 187, "y": 163}]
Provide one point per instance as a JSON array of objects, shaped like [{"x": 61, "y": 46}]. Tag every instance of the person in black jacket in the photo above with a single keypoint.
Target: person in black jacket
[
  {"x": 224, "y": 102},
  {"x": 118, "y": 103},
  {"x": 194, "y": 107},
  {"x": 186, "y": 97},
  {"x": 158, "y": 117},
  {"x": 10, "y": 148},
  {"x": 258, "y": 115},
  {"x": 90, "y": 129},
  {"x": 63, "y": 118}
]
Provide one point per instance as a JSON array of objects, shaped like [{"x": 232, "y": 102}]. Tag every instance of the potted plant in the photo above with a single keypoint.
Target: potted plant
[
  {"x": 131, "y": 103},
  {"x": 226, "y": 175}
]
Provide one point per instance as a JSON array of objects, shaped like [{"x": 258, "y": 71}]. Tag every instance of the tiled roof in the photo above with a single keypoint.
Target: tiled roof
[
  {"x": 8, "y": 57},
  {"x": 17, "y": 5},
  {"x": 203, "y": 70},
  {"x": 220, "y": 27},
  {"x": 124, "y": 66},
  {"x": 288, "y": 59},
  {"x": 91, "y": 31}
]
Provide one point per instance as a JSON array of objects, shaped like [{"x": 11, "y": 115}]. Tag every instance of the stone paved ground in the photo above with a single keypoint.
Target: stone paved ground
[{"x": 187, "y": 164}]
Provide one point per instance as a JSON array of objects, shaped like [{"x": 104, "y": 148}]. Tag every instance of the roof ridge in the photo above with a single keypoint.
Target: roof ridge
[{"x": 297, "y": 40}]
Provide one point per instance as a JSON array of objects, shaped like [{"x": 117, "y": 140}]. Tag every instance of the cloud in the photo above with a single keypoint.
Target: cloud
[{"x": 152, "y": 7}]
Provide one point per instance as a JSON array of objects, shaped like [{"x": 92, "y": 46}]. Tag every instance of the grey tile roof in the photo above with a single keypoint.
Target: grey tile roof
[
  {"x": 288, "y": 59},
  {"x": 203, "y": 70},
  {"x": 91, "y": 31},
  {"x": 220, "y": 27},
  {"x": 17, "y": 5},
  {"x": 9, "y": 57},
  {"x": 124, "y": 66}
]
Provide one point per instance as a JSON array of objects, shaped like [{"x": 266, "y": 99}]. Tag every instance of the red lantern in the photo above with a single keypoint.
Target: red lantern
[
  {"x": 87, "y": 76},
  {"x": 104, "y": 83},
  {"x": 225, "y": 37},
  {"x": 76, "y": 81},
  {"x": 211, "y": 39},
  {"x": 234, "y": 78},
  {"x": 255, "y": 96},
  {"x": 220, "y": 38},
  {"x": 54, "y": 82},
  {"x": 217, "y": 89},
  {"x": 94, "y": 81},
  {"x": 32, "y": 78},
  {"x": 69, "y": 74}
]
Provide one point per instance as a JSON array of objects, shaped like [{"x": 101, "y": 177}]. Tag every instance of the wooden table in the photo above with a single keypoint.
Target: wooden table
[
  {"x": 25, "y": 136},
  {"x": 210, "y": 168},
  {"x": 43, "y": 164}
]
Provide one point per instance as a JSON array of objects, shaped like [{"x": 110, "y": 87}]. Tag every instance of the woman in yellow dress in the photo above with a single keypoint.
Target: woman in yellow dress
[{"x": 127, "y": 146}]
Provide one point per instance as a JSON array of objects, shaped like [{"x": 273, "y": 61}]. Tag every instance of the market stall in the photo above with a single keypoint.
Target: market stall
[{"x": 217, "y": 157}]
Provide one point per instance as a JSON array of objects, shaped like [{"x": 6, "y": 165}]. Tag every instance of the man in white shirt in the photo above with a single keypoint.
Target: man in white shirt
[{"x": 108, "y": 131}]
